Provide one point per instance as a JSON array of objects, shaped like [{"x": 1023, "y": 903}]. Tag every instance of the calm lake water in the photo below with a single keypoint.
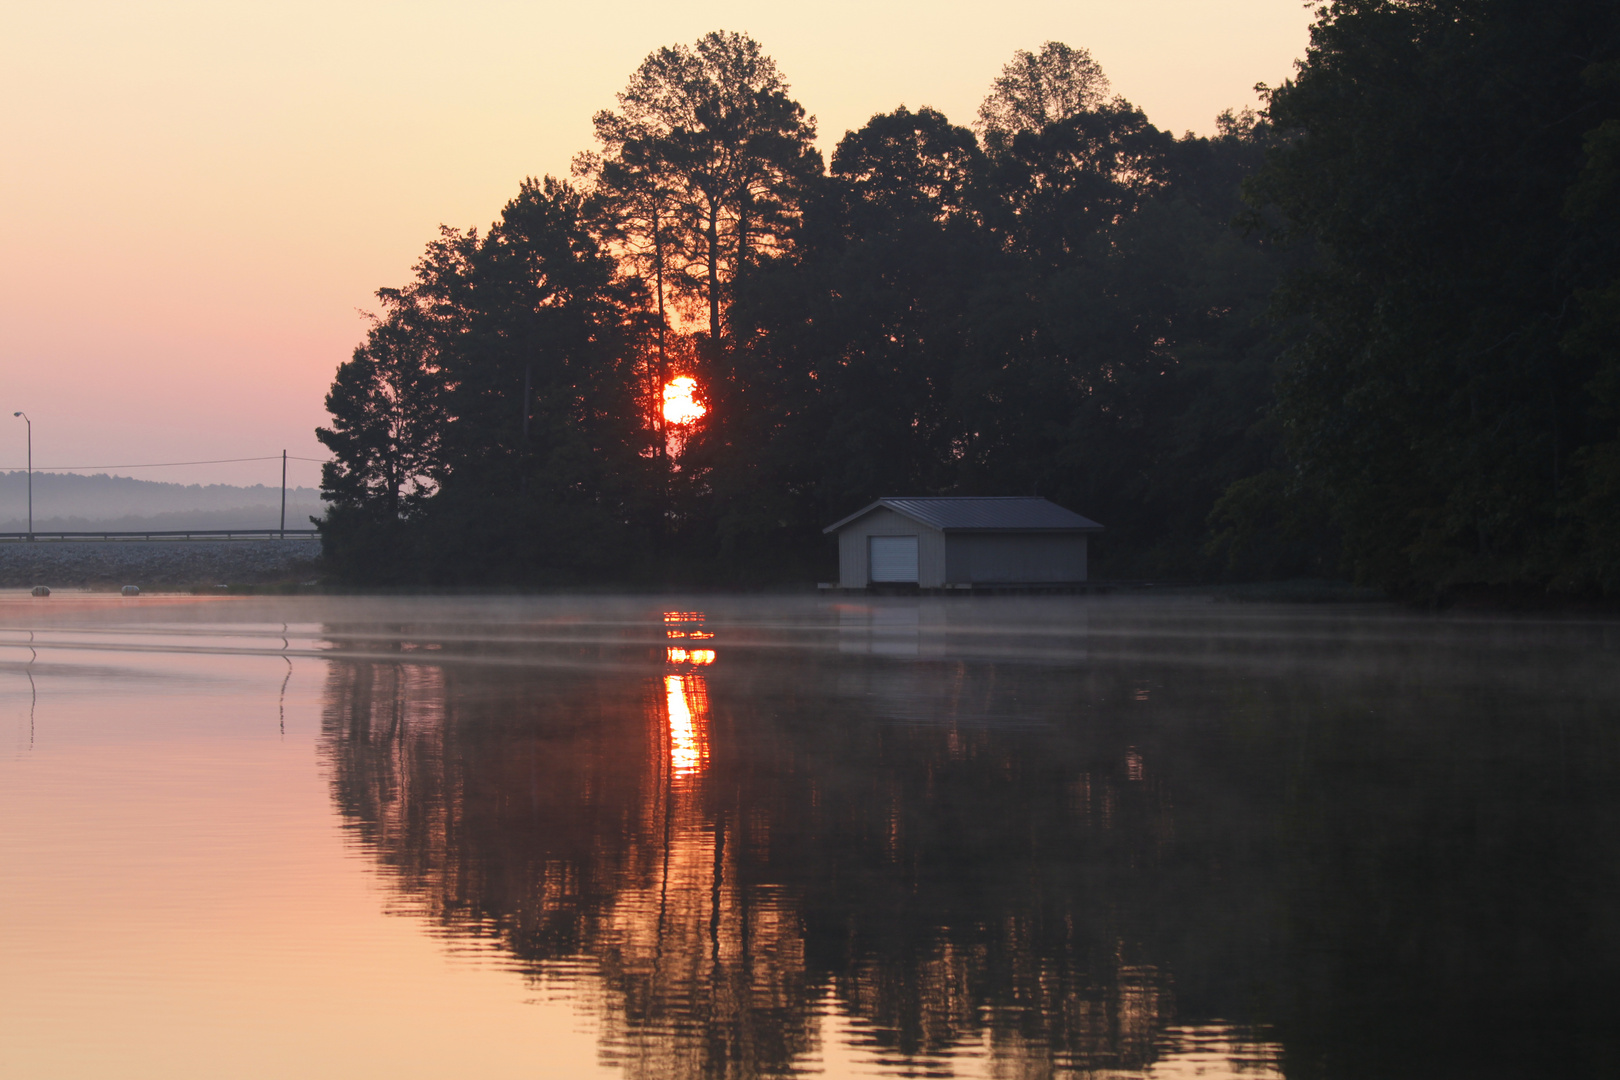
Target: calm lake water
[{"x": 737, "y": 838}]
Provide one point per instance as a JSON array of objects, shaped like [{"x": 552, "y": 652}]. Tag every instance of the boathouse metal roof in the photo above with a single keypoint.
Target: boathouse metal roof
[{"x": 1005, "y": 513}]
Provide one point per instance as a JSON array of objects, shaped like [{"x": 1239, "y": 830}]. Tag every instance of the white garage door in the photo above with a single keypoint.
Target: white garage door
[{"x": 894, "y": 558}]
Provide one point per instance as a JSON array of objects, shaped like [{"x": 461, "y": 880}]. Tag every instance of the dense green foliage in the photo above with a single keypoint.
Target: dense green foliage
[
  {"x": 1452, "y": 403},
  {"x": 1372, "y": 330}
]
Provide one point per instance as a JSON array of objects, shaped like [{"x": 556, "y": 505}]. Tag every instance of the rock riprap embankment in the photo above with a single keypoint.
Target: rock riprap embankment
[{"x": 148, "y": 563}]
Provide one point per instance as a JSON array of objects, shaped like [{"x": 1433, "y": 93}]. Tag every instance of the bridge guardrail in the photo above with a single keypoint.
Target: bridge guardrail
[{"x": 162, "y": 534}]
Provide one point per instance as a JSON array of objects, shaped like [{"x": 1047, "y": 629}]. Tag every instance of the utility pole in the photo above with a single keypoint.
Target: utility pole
[
  {"x": 284, "y": 494},
  {"x": 30, "y": 424}
]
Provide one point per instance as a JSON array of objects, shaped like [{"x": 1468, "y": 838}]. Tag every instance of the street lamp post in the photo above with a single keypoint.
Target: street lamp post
[{"x": 30, "y": 424}]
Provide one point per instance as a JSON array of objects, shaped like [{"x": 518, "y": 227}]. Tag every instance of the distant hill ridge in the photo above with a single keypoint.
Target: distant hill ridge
[{"x": 72, "y": 501}]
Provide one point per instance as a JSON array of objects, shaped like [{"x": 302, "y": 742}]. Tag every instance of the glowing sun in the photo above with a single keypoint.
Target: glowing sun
[{"x": 679, "y": 405}]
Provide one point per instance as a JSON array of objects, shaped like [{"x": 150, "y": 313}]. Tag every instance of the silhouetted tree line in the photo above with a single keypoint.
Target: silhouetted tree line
[
  {"x": 1452, "y": 403},
  {"x": 1370, "y": 330}
]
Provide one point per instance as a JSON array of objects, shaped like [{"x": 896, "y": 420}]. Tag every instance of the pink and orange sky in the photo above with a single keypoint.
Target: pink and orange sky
[{"x": 196, "y": 198}]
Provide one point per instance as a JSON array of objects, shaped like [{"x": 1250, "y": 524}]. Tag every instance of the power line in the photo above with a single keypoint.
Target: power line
[{"x": 167, "y": 464}]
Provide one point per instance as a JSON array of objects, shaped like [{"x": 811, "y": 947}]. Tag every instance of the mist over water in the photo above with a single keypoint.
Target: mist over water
[{"x": 734, "y": 837}]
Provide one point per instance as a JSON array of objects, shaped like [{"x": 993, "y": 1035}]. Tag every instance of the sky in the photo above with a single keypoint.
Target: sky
[{"x": 198, "y": 200}]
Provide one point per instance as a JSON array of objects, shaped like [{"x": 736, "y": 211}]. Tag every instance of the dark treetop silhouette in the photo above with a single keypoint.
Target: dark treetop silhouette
[{"x": 1395, "y": 360}]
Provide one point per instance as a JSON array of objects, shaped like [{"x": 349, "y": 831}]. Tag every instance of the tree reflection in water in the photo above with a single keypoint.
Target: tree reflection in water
[
  {"x": 725, "y": 865},
  {"x": 1060, "y": 866}
]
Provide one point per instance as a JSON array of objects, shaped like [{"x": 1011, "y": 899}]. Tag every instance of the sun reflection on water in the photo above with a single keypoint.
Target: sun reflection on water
[
  {"x": 686, "y": 696},
  {"x": 685, "y": 624},
  {"x": 688, "y": 702}
]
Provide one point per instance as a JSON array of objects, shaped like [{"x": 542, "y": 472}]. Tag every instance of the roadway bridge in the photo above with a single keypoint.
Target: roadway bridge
[
  {"x": 162, "y": 534},
  {"x": 159, "y": 559}
]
